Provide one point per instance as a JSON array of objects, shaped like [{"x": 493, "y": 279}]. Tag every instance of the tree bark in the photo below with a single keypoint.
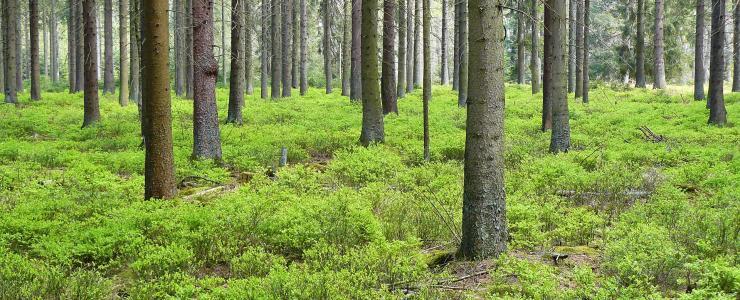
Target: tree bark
[
  {"x": 534, "y": 61},
  {"x": 304, "y": 48},
  {"x": 555, "y": 98},
  {"x": 572, "y": 44},
  {"x": 356, "y": 89},
  {"x": 347, "y": 48},
  {"x": 736, "y": 50},
  {"x": 372, "y": 110},
  {"x": 180, "y": 55},
  {"x": 123, "y": 39},
  {"x": 443, "y": 47},
  {"x": 401, "y": 89},
  {"x": 159, "y": 166},
  {"x": 586, "y": 22},
  {"x": 410, "y": 46},
  {"x": 276, "y": 49},
  {"x": 388, "y": 80},
  {"x": 53, "y": 43},
  {"x": 717, "y": 112},
  {"x": 236, "y": 86},
  {"x": 462, "y": 95},
  {"x": 640, "y": 47},
  {"x": 10, "y": 11},
  {"x": 109, "y": 84},
  {"x": 417, "y": 43},
  {"x": 699, "y": 52},
  {"x": 484, "y": 229},
  {"x": 296, "y": 44},
  {"x": 287, "y": 36},
  {"x": 456, "y": 47},
  {"x": 80, "y": 51},
  {"x": 427, "y": 84},
  {"x": 519, "y": 43},
  {"x": 247, "y": 54},
  {"x": 265, "y": 42},
  {"x": 659, "y": 59},
  {"x": 579, "y": 48},
  {"x": 223, "y": 41},
  {"x": 135, "y": 19},
  {"x": 327, "y": 45},
  {"x": 189, "y": 62},
  {"x": 206, "y": 136},
  {"x": 92, "y": 107},
  {"x": 2, "y": 47},
  {"x": 71, "y": 45},
  {"x": 19, "y": 51},
  {"x": 33, "y": 8}
]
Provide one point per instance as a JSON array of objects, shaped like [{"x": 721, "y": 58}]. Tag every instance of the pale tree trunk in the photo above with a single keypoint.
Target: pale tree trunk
[
  {"x": 572, "y": 20},
  {"x": 206, "y": 136},
  {"x": 586, "y": 22},
  {"x": 45, "y": 40},
  {"x": 10, "y": 11},
  {"x": 33, "y": 8},
  {"x": 180, "y": 56},
  {"x": 265, "y": 40},
  {"x": 135, "y": 36},
  {"x": 736, "y": 50},
  {"x": 80, "y": 51},
  {"x": 159, "y": 165},
  {"x": 327, "y": 45},
  {"x": 443, "y": 59},
  {"x": 579, "y": 48},
  {"x": 640, "y": 47},
  {"x": 699, "y": 52},
  {"x": 54, "y": 43},
  {"x": 304, "y": 48},
  {"x": 427, "y": 81},
  {"x": 659, "y": 58},
  {"x": 296, "y": 43},
  {"x": 248, "y": 67},
  {"x": 286, "y": 34},
  {"x": 388, "y": 80},
  {"x": 189, "y": 62},
  {"x": 347, "y": 48},
  {"x": 456, "y": 46},
  {"x": 236, "y": 86},
  {"x": 373, "y": 130},
  {"x": 19, "y": 50},
  {"x": 123, "y": 41},
  {"x": 555, "y": 98},
  {"x": 223, "y": 42},
  {"x": 462, "y": 95},
  {"x": 276, "y": 66},
  {"x": 109, "y": 84},
  {"x": 71, "y": 45},
  {"x": 91, "y": 107},
  {"x": 519, "y": 43},
  {"x": 356, "y": 80},
  {"x": 410, "y": 46},
  {"x": 417, "y": 43},
  {"x": 484, "y": 229},
  {"x": 401, "y": 89},
  {"x": 534, "y": 61},
  {"x": 2, "y": 46},
  {"x": 717, "y": 111}
]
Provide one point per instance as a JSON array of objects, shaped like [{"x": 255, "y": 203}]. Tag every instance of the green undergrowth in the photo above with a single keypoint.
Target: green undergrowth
[{"x": 638, "y": 219}]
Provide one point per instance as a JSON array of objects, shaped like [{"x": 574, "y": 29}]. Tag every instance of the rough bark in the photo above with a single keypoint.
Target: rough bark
[
  {"x": 388, "y": 79},
  {"x": 462, "y": 95},
  {"x": 179, "y": 51},
  {"x": 247, "y": 54},
  {"x": 572, "y": 25},
  {"x": 327, "y": 45},
  {"x": 717, "y": 112},
  {"x": 555, "y": 98},
  {"x": 456, "y": 46},
  {"x": 33, "y": 8},
  {"x": 304, "y": 48},
  {"x": 372, "y": 110},
  {"x": 276, "y": 65},
  {"x": 658, "y": 55},
  {"x": 417, "y": 43},
  {"x": 265, "y": 41},
  {"x": 71, "y": 45},
  {"x": 92, "y": 107},
  {"x": 534, "y": 60},
  {"x": 53, "y": 43},
  {"x": 80, "y": 51},
  {"x": 520, "y": 43},
  {"x": 401, "y": 89},
  {"x": 19, "y": 50},
  {"x": 159, "y": 166},
  {"x": 356, "y": 80},
  {"x": 206, "y": 136},
  {"x": 484, "y": 229},
  {"x": 2, "y": 47},
  {"x": 223, "y": 41},
  {"x": 427, "y": 84},
  {"x": 189, "y": 62},
  {"x": 579, "y": 48},
  {"x": 10, "y": 10},
  {"x": 640, "y": 47},
  {"x": 287, "y": 36},
  {"x": 236, "y": 86},
  {"x": 135, "y": 36},
  {"x": 347, "y": 48},
  {"x": 736, "y": 49},
  {"x": 296, "y": 44},
  {"x": 443, "y": 47},
  {"x": 699, "y": 75},
  {"x": 109, "y": 84},
  {"x": 410, "y": 49},
  {"x": 123, "y": 40},
  {"x": 586, "y": 22}
]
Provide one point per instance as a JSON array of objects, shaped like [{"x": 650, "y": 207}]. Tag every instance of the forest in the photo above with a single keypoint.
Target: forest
[{"x": 368, "y": 149}]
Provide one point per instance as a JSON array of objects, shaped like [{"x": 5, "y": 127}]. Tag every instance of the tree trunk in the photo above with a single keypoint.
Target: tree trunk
[
  {"x": 699, "y": 52},
  {"x": 534, "y": 61},
  {"x": 45, "y": 43},
  {"x": 462, "y": 95},
  {"x": 247, "y": 54},
  {"x": 327, "y": 45},
  {"x": 54, "y": 43},
  {"x": 265, "y": 41},
  {"x": 736, "y": 50},
  {"x": 296, "y": 44},
  {"x": 223, "y": 41},
  {"x": 659, "y": 59},
  {"x": 189, "y": 62},
  {"x": 124, "y": 52},
  {"x": 372, "y": 110},
  {"x": 417, "y": 43},
  {"x": 276, "y": 49},
  {"x": 579, "y": 48},
  {"x": 356, "y": 81},
  {"x": 456, "y": 47},
  {"x": 206, "y": 136},
  {"x": 410, "y": 46},
  {"x": 640, "y": 47},
  {"x": 401, "y": 89},
  {"x": 159, "y": 165},
  {"x": 92, "y": 107},
  {"x": 109, "y": 84},
  {"x": 388, "y": 80},
  {"x": 180, "y": 59},
  {"x": 135, "y": 16},
  {"x": 347, "y": 48},
  {"x": 427, "y": 85},
  {"x": 80, "y": 51},
  {"x": 287, "y": 47},
  {"x": 304, "y": 48},
  {"x": 443, "y": 59},
  {"x": 519, "y": 43},
  {"x": 10, "y": 11},
  {"x": 555, "y": 98},
  {"x": 71, "y": 45},
  {"x": 484, "y": 229},
  {"x": 717, "y": 112},
  {"x": 586, "y": 22},
  {"x": 19, "y": 51},
  {"x": 572, "y": 30},
  {"x": 2, "y": 46},
  {"x": 236, "y": 86},
  {"x": 33, "y": 8}
]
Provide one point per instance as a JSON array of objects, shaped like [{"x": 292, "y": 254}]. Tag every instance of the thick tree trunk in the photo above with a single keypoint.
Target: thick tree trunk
[
  {"x": 659, "y": 58},
  {"x": 265, "y": 41},
  {"x": 356, "y": 81},
  {"x": 33, "y": 8},
  {"x": 699, "y": 52},
  {"x": 206, "y": 136},
  {"x": 417, "y": 43},
  {"x": 327, "y": 45},
  {"x": 276, "y": 65},
  {"x": 304, "y": 48},
  {"x": 443, "y": 59},
  {"x": 372, "y": 111},
  {"x": 520, "y": 43},
  {"x": 572, "y": 44},
  {"x": 109, "y": 84},
  {"x": 180, "y": 59},
  {"x": 236, "y": 86},
  {"x": 410, "y": 46},
  {"x": 347, "y": 48},
  {"x": 401, "y": 89},
  {"x": 247, "y": 54},
  {"x": 534, "y": 60},
  {"x": 555, "y": 98},
  {"x": 484, "y": 229},
  {"x": 736, "y": 50},
  {"x": 71, "y": 46},
  {"x": 135, "y": 19},
  {"x": 717, "y": 112},
  {"x": 287, "y": 36},
  {"x": 123, "y": 41},
  {"x": 159, "y": 166},
  {"x": 586, "y": 22},
  {"x": 80, "y": 51},
  {"x": 462, "y": 95},
  {"x": 92, "y": 107},
  {"x": 427, "y": 84},
  {"x": 10, "y": 11},
  {"x": 388, "y": 80},
  {"x": 579, "y": 48},
  {"x": 640, "y": 47}
]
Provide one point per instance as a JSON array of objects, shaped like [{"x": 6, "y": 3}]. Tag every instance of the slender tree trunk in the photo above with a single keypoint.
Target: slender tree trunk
[
  {"x": 443, "y": 59},
  {"x": 10, "y": 11},
  {"x": 640, "y": 47},
  {"x": 296, "y": 43},
  {"x": 699, "y": 52},
  {"x": 427, "y": 85},
  {"x": 388, "y": 80},
  {"x": 19, "y": 50},
  {"x": 2, "y": 46},
  {"x": 534, "y": 61},
  {"x": 45, "y": 43},
  {"x": 276, "y": 49},
  {"x": 248, "y": 68},
  {"x": 109, "y": 84},
  {"x": 304, "y": 48},
  {"x": 462, "y": 95},
  {"x": 264, "y": 58},
  {"x": 717, "y": 112},
  {"x": 287, "y": 47},
  {"x": 456, "y": 47},
  {"x": 123, "y": 40},
  {"x": 236, "y": 86},
  {"x": 586, "y": 22},
  {"x": 484, "y": 229},
  {"x": 555, "y": 98},
  {"x": 417, "y": 43},
  {"x": 659, "y": 59},
  {"x": 572, "y": 44},
  {"x": 80, "y": 51},
  {"x": 206, "y": 136},
  {"x": 223, "y": 42},
  {"x": 347, "y": 48},
  {"x": 356, "y": 81},
  {"x": 401, "y": 89},
  {"x": 54, "y": 41},
  {"x": 189, "y": 62},
  {"x": 372, "y": 111},
  {"x": 180, "y": 48},
  {"x": 92, "y": 108},
  {"x": 135, "y": 16},
  {"x": 736, "y": 50},
  {"x": 410, "y": 46},
  {"x": 327, "y": 45},
  {"x": 33, "y": 8},
  {"x": 520, "y": 43},
  {"x": 579, "y": 48},
  {"x": 159, "y": 166},
  {"x": 71, "y": 45}
]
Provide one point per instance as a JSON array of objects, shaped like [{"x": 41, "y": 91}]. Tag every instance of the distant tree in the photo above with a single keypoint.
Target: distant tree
[
  {"x": 109, "y": 85},
  {"x": 327, "y": 7},
  {"x": 53, "y": 42},
  {"x": 417, "y": 43},
  {"x": 180, "y": 47},
  {"x": 276, "y": 48},
  {"x": 10, "y": 10},
  {"x": 579, "y": 48},
  {"x": 388, "y": 69},
  {"x": 80, "y": 51},
  {"x": 572, "y": 29},
  {"x": 410, "y": 46},
  {"x": 555, "y": 98},
  {"x": 356, "y": 76},
  {"x": 189, "y": 62},
  {"x": 347, "y": 48},
  {"x": 20, "y": 27},
  {"x": 427, "y": 85},
  {"x": 736, "y": 49},
  {"x": 456, "y": 46},
  {"x": 717, "y": 112},
  {"x": 462, "y": 95},
  {"x": 71, "y": 44},
  {"x": 484, "y": 229},
  {"x": 699, "y": 52},
  {"x": 401, "y": 89},
  {"x": 248, "y": 50},
  {"x": 287, "y": 35},
  {"x": 640, "y": 47},
  {"x": 519, "y": 42},
  {"x": 33, "y": 8},
  {"x": 236, "y": 86},
  {"x": 295, "y": 56},
  {"x": 92, "y": 107},
  {"x": 223, "y": 42},
  {"x": 586, "y": 22},
  {"x": 659, "y": 58},
  {"x": 304, "y": 48},
  {"x": 206, "y": 136},
  {"x": 123, "y": 53},
  {"x": 159, "y": 166},
  {"x": 373, "y": 130},
  {"x": 534, "y": 60},
  {"x": 135, "y": 36},
  {"x": 443, "y": 76},
  {"x": 264, "y": 45}
]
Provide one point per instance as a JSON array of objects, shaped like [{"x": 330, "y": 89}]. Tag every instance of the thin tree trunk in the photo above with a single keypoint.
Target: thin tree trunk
[
  {"x": 462, "y": 95},
  {"x": 401, "y": 89},
  {"x": 417, "y": 43},
  {"x": 736, "y": 50},
  {"x": 572, "y": 30},
  {"x": 296, "y": 43},
  {"x": 80, "y": 51},
  {"x": 180, "y": 56},
  {"x": 586, "y": 22},
  {"x": 92, "y": 107},
  {"x": 109, "y": 84},
  {"x": 206, "y": 136},
  {"x": 135, "y": 19},
  {"x": 534, "y": 61},
  {"x": 10, "y": 11},
  {"x": 372, "y": 111},
  {"x": 287, "y": 47},
  {"x": 327, "y": 45},
  {"x": 456, "y": 47},
  {"x": 33, "y": 8},
  {"x": 236, "y": 86},
  {"x": 520, "y": 43},
  {"x": 2, "y": 46},
  {"x": 579, "y": 48},
  {"x": 304, "y": 48},
  {"x": 410, "y": 46},
  {"x": 45, "y": 41},
  {"x": 659, "y": 59},
  {"x": 699, "y": 52},
  {"x": 484, "y": 230},
  {"x": 640, "y": 47},
  {"x": 248, "y": 68},
  {"x": 19, "y": 23},
  {"x": 159, "y": 166},
  {"x": 717, "y": 112},
  {"x": 347, "y": 48},
  {"x": 555, "y": 98},
  {"x": 388, "y": 80},
  {"x": 54, "y": 43},
  {"x": 443, "y": 59},
  {"x": 189, "y": 62},
  {"x": 276, "y": 49},
  {"x": 356, "y": 81},
  {"x": 264, "y": 58},
  {"x": 223, "y": 42},
  {"x": 123, "y": 40},
  {"x": 427, "y": 85},
  {"x": 71, "y": 45}
]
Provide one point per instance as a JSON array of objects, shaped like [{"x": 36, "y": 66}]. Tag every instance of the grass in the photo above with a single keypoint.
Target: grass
[{"x": 343, "y": 221}]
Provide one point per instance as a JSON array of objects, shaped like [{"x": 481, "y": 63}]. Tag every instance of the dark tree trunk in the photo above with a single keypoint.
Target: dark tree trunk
[
  {"x": 356, "y": 81},
  {"x": 180, "y": 59},
  {"x": 534, "y": 61},
  {"x": 640, "y": 47},
  {"x": 372, "y": 111},
  {"x": 388, "y": 80},
  {"x": 53, "y": 43},
  {"x": 579, "y": 48},
  {"x": 572, "y": 31},
  {"x": 123, "y": 40},
  {"x": 443, "y": 59},
  {"x": 586, "y": 22},
  {"x": 109, "y": 84},
  {"x": 10, "y": 11},
  {"x": 520, "y": 43},
  {"x": 304, "y": 48},
  {"x": 71, "y": 45},
  {"x": 484, "y": 229},
  {"x": 80, "y": 51},
  {"x": 159, "y": 165},
  {"x": 699, "y": 52},
  {"x": 33, "y": 8},
  {"x": 555, "y": 98},
  {"x": 427, "y": 84},
  {"x": 717, "y": 112},
  {"x": 462, "y": 96},
  {"x": 327, "y": 45},
  {"x": 247, "y": 54},
  {"x": 410, "y": 46},
  {"x": 2, "y": 47},
  {"x": 206, "y": 136},
  {"x": 736, "y": 50},
  {"x": 135, "y": 19},
  {"x": 287, "y": 35},
  {"x": 236, "y": 86},
  {"x": 401, "y": 89},
  {"x": 265, "y": 42},
  {"x": 92, "y": 107},
  {"x": 347, "y": 48},
  {"x": 659, "y": 59},
  {"x": 276, "y": 50},
  {"x": 417, "y": 43}
]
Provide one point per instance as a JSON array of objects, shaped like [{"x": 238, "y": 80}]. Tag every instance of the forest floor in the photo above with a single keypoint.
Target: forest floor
[{"x": 639, "y": 215}]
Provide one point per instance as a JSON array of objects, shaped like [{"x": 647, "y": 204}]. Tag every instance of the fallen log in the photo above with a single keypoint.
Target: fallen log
[{"x": 633, "y": 194}]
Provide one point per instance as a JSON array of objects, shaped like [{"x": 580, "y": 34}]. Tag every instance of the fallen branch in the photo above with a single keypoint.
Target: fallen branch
[
  {"x": 213, "y": 190},
  {"x": 634, "y": 194},
  {"x": 650, "y": 135}
]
